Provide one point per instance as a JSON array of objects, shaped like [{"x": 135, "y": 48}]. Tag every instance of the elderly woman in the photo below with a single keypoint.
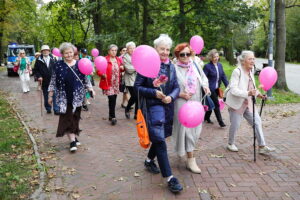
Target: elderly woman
[
  {"x": 130, "y": 75},
  {"x": 215, "y": 74},
  {"x": 24, "y": 70},
  {"x": 159, "y": 111},
  {"x": 239, "y": 95},
  {"x": 190, "y": 79},
  {"x": 69, "y": 85},
  {"x": 110, "y": 81}
]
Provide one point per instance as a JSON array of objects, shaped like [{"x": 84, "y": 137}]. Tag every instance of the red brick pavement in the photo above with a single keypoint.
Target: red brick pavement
[{"x": 108, "y": 160}]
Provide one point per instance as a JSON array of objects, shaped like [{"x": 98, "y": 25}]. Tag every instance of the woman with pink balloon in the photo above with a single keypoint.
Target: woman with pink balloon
[
  {"x": 69, "y": 82},
  {"x": 189, "y": 112},
  {"x": 156, "y": 84},
  {"x": 216, "y": 76},
  {"x": 110, "y": 75},
  {"x": 240, "y": 98}
]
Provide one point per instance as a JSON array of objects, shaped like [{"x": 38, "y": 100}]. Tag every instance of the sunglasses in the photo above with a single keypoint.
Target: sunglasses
[{"x": 185, "y": 54}]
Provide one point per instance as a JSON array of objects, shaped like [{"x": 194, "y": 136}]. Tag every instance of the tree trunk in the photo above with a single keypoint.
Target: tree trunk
[
  {"x": 97, "y": 21},
  {"x": 2, "y": 8},
  {"x": 182, "y": 21},
  {"x": 228, "y": 48},
  {"x": 280, "y": 44},
  {"x": 145, "y": 21}
]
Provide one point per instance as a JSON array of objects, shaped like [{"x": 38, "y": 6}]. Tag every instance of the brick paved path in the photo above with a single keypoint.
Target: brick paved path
[{"x": 109, "y": 164}]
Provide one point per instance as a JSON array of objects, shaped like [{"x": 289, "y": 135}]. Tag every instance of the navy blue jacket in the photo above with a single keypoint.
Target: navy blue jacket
[
  {"x": 159, "y": 115},
  {"x": 211, "y": 74}
]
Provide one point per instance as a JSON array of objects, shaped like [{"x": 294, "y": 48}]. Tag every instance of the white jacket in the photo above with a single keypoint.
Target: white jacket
[{"x": 237, "y": 91}]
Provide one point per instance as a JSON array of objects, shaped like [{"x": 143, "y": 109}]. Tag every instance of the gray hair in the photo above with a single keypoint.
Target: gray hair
[
  {"x": 66, "y": 45},
  {"x": 243, "y": 56},
  {"x": 163, "y": 39},
  {"x": 132, "y": 44},
  {"x": 22, "y": 51},
  {"x": 211, "y": 54},
  {"x": 112, "y": 46}
]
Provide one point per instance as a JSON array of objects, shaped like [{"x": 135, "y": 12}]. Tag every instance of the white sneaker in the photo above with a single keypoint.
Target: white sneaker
[
  {"x": 265, "y": 150},
  {"x": 232, "y": 147}
]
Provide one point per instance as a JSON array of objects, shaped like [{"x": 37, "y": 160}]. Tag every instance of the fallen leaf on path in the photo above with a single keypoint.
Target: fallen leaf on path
[
  {"x": 75, "y": 196},
  {"x": 120, "y": 160},
  {"x": 13, "y": 146},
  {"x": 202, "y": 191},
  {"x": 232, "y": 185},
  {"x": 136, "y": 174},
  {"x": 287, "y": 194},
  {"x": 262, "y": 173},
  {"x": 121, "y": 179},
  {"x": 94, "y": 187},
  {"x": 217, "y": 156}
]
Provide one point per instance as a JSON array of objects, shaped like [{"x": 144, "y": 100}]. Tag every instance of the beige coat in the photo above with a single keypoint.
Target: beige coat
[
  {"x": 130, "y": 73},
  {"x": 237, "y": 91}
]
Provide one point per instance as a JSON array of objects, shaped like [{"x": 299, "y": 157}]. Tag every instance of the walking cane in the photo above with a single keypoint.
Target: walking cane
[
  {"x": 263, "y": 102},
  {"x": 253, "y": 126},
  {"x": 41, "y": 97}
]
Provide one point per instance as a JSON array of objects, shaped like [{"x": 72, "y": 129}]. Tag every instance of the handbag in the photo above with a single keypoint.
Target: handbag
[
  {"x": 207, "y": 101},
  {"x": 141, "y": 127},
  {"x": 16, "y": 68}
]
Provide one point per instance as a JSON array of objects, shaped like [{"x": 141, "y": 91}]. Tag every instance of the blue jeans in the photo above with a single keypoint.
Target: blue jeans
[{"x": 46, "y": 104}]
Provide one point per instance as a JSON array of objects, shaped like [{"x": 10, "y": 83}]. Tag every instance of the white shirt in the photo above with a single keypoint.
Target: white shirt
[
  {"x": 218, "y": 76},
  {"x": 47, "y": 60}
]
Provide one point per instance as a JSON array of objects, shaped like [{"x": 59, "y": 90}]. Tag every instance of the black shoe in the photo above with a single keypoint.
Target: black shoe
[
  {"x": 221, "y": 123},
  {"x": 151, "y": 167},
  {"x": 208, "y": 121},
  {"x": 134, "y": 117},
  {"x": 127, "y": 114},
  {"x": 113, "y": 121},
  {"x": 73, "y": 146},
  {"x": 174, "y": 185},
  {"x": 109, "y": 118},
  {"x": 85, "y": 108},
  {"x": 56, "y": 113},
  {"x": 77, "y": 142},
  {"x": 49, "y": 111}
]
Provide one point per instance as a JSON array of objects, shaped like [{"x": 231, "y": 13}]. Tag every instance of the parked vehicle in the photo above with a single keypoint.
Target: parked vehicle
[{"x": 12, "y": 55}]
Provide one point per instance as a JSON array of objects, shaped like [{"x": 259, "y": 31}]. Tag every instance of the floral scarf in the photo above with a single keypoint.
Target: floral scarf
[{"x": 191, "y": 77}]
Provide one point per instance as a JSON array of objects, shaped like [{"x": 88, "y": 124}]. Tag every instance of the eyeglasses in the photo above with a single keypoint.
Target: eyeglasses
[
  {"x": 22, "y": 53},
  {"x": 185, "y": 54}
]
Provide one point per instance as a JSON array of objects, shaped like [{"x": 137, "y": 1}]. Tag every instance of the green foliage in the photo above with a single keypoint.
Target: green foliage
[{"x": 16, "y": 160}]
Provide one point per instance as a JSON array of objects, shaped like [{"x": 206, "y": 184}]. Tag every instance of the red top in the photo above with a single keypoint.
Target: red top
[{"x": 105, "y": 83}]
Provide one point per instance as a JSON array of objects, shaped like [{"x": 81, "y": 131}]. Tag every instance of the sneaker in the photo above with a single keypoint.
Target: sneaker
[
  {"x": 73, "y": 146},
  {"x": 113, "y": 121},
  {"x": 232, "y": 147},
  {"x": 265, "y": 150},
  {"x": 151, "y": 167},
  {"x": 127, "y": 115},
  {"x": 48, "y": 111},
  {"x": 174, "y": 185},
  {"x": 77, "y": 142}
]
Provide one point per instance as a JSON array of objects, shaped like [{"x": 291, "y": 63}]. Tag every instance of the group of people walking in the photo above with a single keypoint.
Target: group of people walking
[{"x": 65, "y": 87}]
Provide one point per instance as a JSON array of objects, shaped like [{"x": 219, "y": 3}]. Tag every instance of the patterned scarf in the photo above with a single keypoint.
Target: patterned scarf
[{"x": 191, "y": 77}]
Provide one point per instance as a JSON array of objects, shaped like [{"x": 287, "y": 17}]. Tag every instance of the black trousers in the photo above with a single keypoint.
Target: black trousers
[
  {"x": 159, "y": 150},
  {"x": 112, "y": 100},
  {"x": 132, "y": 100},
  {"x": 214, "y": 97}
]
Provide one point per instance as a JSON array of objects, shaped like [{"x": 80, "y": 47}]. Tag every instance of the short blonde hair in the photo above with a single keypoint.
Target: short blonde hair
[{"x": 211, "y": 54}]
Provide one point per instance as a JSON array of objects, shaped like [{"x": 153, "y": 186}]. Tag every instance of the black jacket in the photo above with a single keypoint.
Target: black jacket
[{"x": 41, "y": 70}]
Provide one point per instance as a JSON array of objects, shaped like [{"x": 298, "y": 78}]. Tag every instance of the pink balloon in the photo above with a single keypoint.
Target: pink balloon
[
  {"x": 85, "y": 66},
  {"x": 197, "y": 43},
  {"x": 146, "y": 61},
  {"x": 221, "y": 104},
  {"x": 56, "y": 52},
  {"x": 267, "y": 78},
  {"x": 95, "y": 52},
  {"x": 191, "y": 114},
  {"x": 101, "y": 64}
]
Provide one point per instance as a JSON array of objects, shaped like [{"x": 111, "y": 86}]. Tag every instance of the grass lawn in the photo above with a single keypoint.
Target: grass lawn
[
  {"x": 280, "y": 96},
  {"x": 17, "y": 163}
]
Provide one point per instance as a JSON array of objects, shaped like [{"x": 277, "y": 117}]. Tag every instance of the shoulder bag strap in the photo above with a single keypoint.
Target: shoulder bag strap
[{"x": 76, "y": 75}]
